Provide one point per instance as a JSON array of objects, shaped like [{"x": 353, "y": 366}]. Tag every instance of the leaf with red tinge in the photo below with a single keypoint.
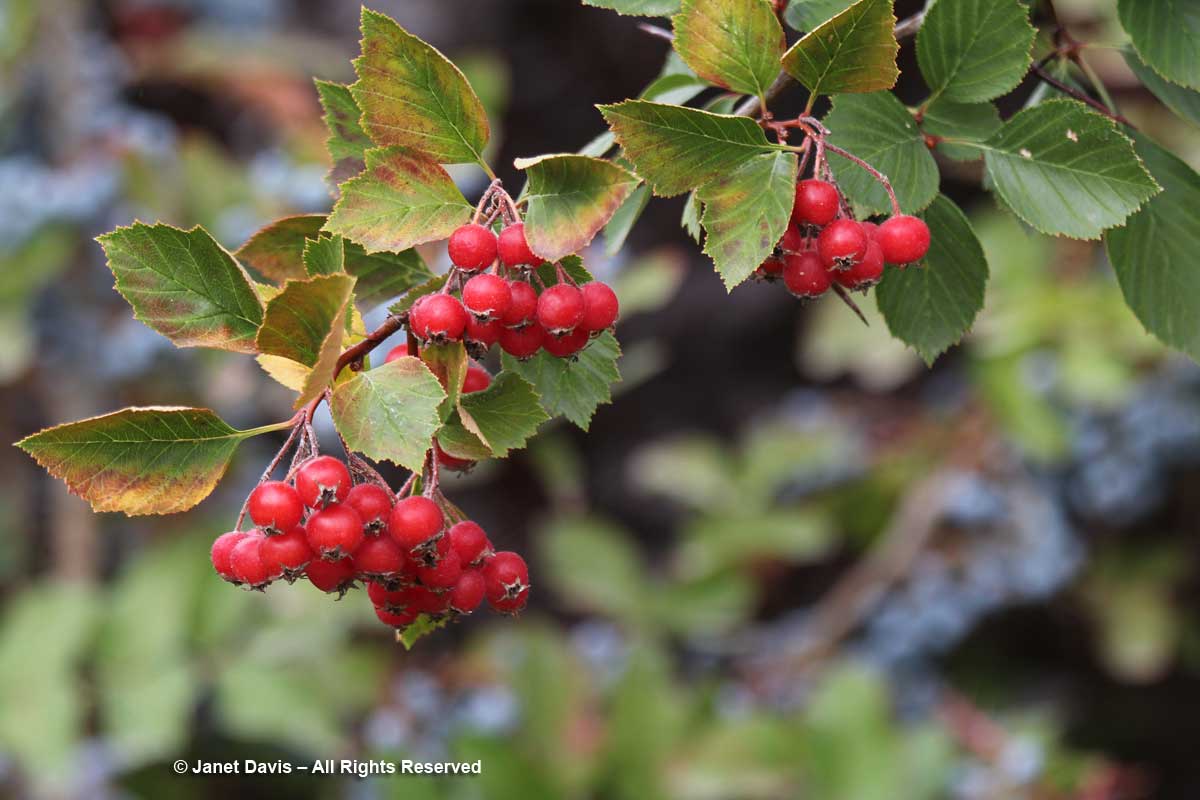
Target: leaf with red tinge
[
  {"x": 853, "y": 52},
  {"x": 140, "y": 460},
  {"x": 348, "y": 143},
  {"x": 571, "y": 198},
  {"x": 735, "y": 44}
]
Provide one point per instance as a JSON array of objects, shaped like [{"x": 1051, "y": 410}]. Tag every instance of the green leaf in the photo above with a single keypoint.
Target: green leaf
[
  {"x": 390, "y": 413},
  {"x": 1183, "y": 101},
  {"x": 878, "y": 129},
  {"x": 184, "y": 285},
  {"x": 746, "y": 213},
  {"x": 421, "y": 627},
  {"x": 459, "y": 442},
  {"x": 676, "y": 149},
  {"x": 641, "y": 8},
  {"x": 975, "y": 122},
  {"x": 804, "y": 15},
  {"x": 931, "y": 305},
  {"x": 1166, "y": 34},
  {"x": 399, "y": 201},
  {"x": 1154, "y": 255},
  {"x": 618, "y": 228},
  {"x": 734, "y": 44},
  {"x": 975, "y": 50},
  {"x": 853, "y": 52},
  {"x": 690, "y": 220},
  {"x": 383, "y": 276},
  {"x": 1066, "y": 170},
  {"x": 505, "y": 415},
  {"x": 413, "y": 97},
  {"x": 571, "y": 198},
  {"x": 324, "y": 255},
  {"x": 277, "y": 250},
  {"x": 676, "y": 89},
  {"x": 140, "y": 460},
  {"x": 573, "y": 388},
  {"x": 348, "y": 143}
]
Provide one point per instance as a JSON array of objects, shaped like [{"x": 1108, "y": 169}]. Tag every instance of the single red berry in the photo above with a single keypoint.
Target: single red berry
[
  {"x": 487, "y": 296},
  {"x": 804, "y": 275},
  {"x": 331, "y": 576},
  {"x": 522, "y": 343},
  {"x": 442, "y": 575},
  {"x": 793, "y": 240},
  {"x": 426, "y": 601},
  {"x": 414, "y": 521},
  {"x": 568, "y": 344},
  {"x": 483, "y": 334},
  {"x": 289, "y": 552},
  {"x": 514, "y": 249},
  {"x": 468, "y": 592},
  {"x": 523, "y": 307},
  {"x": 507, "y": 581},
  {"x": 373, "y": 504},
  {"x": 865, "y": 273},
  {"x": 221, "y": 549},
  {"x": 321, "y": 481},
  {"x": 477, "y": 379},
  {"x": 452, "y": 463},
  {"x": 472, "y": 247},
  {"x": 600, "y": 307},
  {"x": 378, "y": 557},
  {"x": 248, "y": 564},
  {"x": 438, "y": 318},
  {"x": 817, "y": 203},
  {"x": 393, "y": 600},
  {"x": 560, "y": 308},
  {"x": 396, "y": 353},
  {"x": 400, "y": 619},
  {"x": 870, "y": 229},
  {"x": 275, "y": 507},
  {"x": 334, "y": 531},
  {"x": 904, "y": 239},
  {"x": 471, "y": 542},
  {"x": 841, "y": 243},
  {"x": 770, "y": 269}
]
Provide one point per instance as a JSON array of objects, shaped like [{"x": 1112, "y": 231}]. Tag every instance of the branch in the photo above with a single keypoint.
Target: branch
[
  {"x": 1082, "y": 97},
  {"x": 654, "y": 30},
  {"x": 353, "y": 357}
]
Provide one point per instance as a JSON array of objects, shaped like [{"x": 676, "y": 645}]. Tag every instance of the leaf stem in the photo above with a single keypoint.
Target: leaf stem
[
  {"x": 1082, "y": 97},
  {"x": 487, "y": 170},
  {"x": 876, "y": 174}
]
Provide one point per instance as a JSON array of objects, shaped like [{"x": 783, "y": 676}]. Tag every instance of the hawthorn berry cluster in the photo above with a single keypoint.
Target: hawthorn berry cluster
[
  {"x": 416, "y": 554},
  {"x": 825, "y": 246}
]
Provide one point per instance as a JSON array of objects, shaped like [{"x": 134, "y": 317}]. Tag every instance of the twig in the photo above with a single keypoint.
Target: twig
[
  {"x": 1081, "y": 96},
  {"x": 656, "y": 31},
  {"x": 876, "y": 174},
  {"x": 849, "y": 301},
  {"x": 353, "y": 357}
]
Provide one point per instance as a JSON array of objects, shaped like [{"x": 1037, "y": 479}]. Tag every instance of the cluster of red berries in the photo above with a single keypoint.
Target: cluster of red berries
[
  {"x": 503, "y": 307},
  {"x": 823, "y": 245},
  {"x": 337, "y": 534}
]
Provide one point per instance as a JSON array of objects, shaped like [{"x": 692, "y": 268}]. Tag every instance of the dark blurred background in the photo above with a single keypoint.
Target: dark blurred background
[{"x": 788, "y": 561}]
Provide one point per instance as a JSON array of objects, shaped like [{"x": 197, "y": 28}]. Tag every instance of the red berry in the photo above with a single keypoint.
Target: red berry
[
  {"x": 817, "y": 203},
  {"x": 468, "y": 592},
  {"x": 567, "y": 345},
  {"x": 507, "y": 581},
  {"x": 470, "y": 541},
  {"x": 321, "y": 481},
  {"x": 393, "y": 600},
  {"x": 472, "y": 247},
  {"x": 904, "y": 239},
  {"x": 335, "y": 531},
  {"x": 442, "y": 575},
  {"x": 514, "y": 249},
  {"x": 221, "y": 548},
  {"x": 560, "y": 308},
  {"x": 397, "y": 352},
  {"x": 484, "y": 334},
  {"x": 866, "y": 272},
  {"x": 414, "y": 521},
  {"x": 378, "y": 557},
  {"x": 487, "y": 296},
  {"x": 770, "y": 269},
  {"x": 396, "y": 619},
  {"x": 373, "y": 504},
  {"x": 289, "y": 552},
  {"x": 523, "y": 306},
  {"x": 477, "y": 379},
  {"x": 870, "y": 229},
  {"x": 805, "y": 275},
  {"x": 426, "y": 601},
  {"x": 792, "y": 241},
  {"x": 600, "y": 307},
  {"x": 438, "y": 318},
  {"x": 841, "y": 243},
  {"x": 275, "y": 506},
  {"x": 522, "y": 343},
  {"x": 452, "y": 463},
  {"x": 331, "y": 576},
  {"x": 248, "y": 564}
]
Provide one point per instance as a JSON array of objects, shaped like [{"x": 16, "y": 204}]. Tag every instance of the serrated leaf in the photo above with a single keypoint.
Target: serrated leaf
[
  {"x": 690, "y": 219},
  {"x": 1154, "y": 255},
  {"x": 1066, "y": 170},
  {"x": 284, "y": 371},
  {"x": 348, "y": 143},
  {"x": 184, "y": 285},
  {"x": 412, "y": 96},
  {"x": 878, "y": 129},
  {"x": 931, "y": 305},
  {"x": 676, "y": 149},
  {"x": 276, "y": 251},
  {"x": 746, "y": 213},
  {"x": 1166, "y": 34},
  {"x": 399, "y": 201},
  {"x": 618, "y": 228},
  {"x": 421, "y": 627},
  {"x": 383, "y": 276},
  {"x": 676, "y": 89},
  {"x": 572, "y": 265},
  {"x": 459, "y": 442},
  {"x": 804, "y": 15},
  {"x": 448, "y": 363},
  {"x": 390, "y": 413},
  {"x": 505, "y": 415},
  {"x": 641, "y": 8},
  {"x": 324, "y": 255},
  {"x": 156, "y": 460},
  {"x": 1183, "y": 101},
  {"x": 853, "y": 52},
  {"x": 974, "y": 50},
  {"x": 975, "y": 122},
  {"x": 573, "y": 388},
  {"x": 571, "y": 197},
  {"x": 734, "y": 44}
]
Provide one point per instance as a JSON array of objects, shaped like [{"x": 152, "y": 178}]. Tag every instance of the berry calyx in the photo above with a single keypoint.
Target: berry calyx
[
  {"x": 321, "y": 481},
  {"x": 414, "y": 521},
  {"x": 442, "y": 575},
  {"x": 288, "y": 552},
  {"x": 222, "y": 547},
  {"x": 472, "y": 247},
  {"x": 378, "y": 557},
  {"x": 506, "y": 579},
  {"x": 249, "y": 567},
  {"x": 523, "y": 306},
  {"x": 804, "y": 275},
  {"x": 841, "y": 243},
  {"x": 600, "y": 307},
  {"x": 817, "y": 203},
  {"x": 373, "y": 505},
  {"x": 560, "y": 308},
  {"x": 335, "y": 531},
  {"x": 438, "y": 318},
  {"x": 514, "y": 248},
  {"x": 275, "y": 507},
  {"x": 904, "y": 239},
  {"x": 471, "y": 543},
  {"x": 487, "y": 296},
  {"x": 468, "y": 592},
  {"x": 382, "y": 597},
  {"x": 396, "y": 619},
  {"x": 482, "y": 334},
  {"x": 865, "y": 273},
  {"x": 522, "y": 343},
  {"x": 331, "y": 576},
  {"x": 568, "y": 344}
]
